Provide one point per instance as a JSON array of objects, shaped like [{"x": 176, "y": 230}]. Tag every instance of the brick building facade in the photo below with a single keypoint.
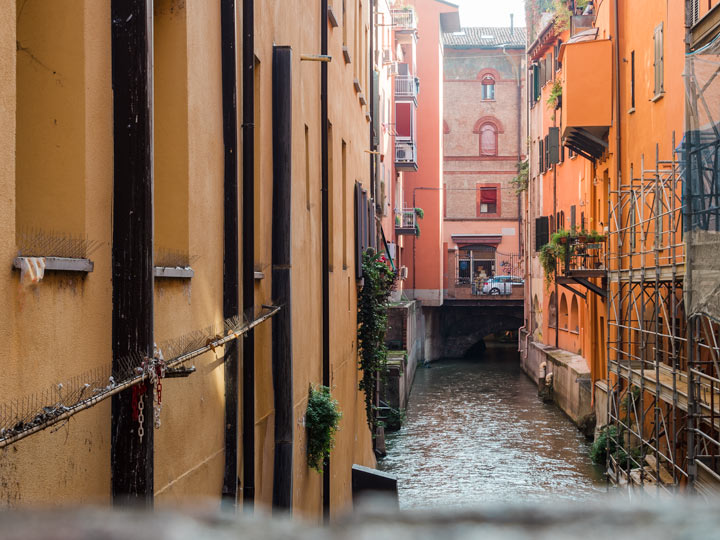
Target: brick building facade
[{"x": 484, "y": 122}]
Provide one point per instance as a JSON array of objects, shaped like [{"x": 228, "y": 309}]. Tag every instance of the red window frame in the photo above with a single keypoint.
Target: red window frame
[{"x": 479, "y": 188}]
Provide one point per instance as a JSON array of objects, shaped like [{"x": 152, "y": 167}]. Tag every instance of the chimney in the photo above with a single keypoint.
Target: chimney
[{"x": 512, "y": 27}]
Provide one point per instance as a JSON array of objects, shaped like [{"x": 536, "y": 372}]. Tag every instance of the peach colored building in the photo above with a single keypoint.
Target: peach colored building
[
  {"x": 419, "y": 128},
  {"x": 483, "y": 143}
]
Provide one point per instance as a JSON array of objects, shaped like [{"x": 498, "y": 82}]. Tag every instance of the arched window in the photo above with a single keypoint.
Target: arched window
[
  {"x": 488, "y": 140},
  {"x": 552, "y": 311},
  {"x": 488, "y": 87},
  {"x": 563, "y": 312},
  {"x": 574, "y": 315}
]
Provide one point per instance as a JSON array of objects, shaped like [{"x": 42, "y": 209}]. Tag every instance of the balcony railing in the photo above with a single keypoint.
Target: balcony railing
[
  {"x": 406, "y": 222},
  {"x": 404, "y": 19},
  {"x": 406, "y": 86},
  {"x": 405, "y": 155},
  {"x": 578, "y": 23},
  {"x": 498, "y": 276}
]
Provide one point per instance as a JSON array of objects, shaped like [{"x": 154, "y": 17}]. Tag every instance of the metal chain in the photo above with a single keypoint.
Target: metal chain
[{"x": 141, "y": 417}]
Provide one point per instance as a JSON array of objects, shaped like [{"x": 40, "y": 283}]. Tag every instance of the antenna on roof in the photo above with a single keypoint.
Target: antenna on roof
[{"x": 512, "y": 26}]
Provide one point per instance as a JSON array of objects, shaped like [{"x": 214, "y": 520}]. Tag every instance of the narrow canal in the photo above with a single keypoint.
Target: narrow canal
[{"x": 476, "y": 432}]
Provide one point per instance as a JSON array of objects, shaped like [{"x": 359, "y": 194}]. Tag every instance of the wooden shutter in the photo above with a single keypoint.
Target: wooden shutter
[
  {"x": 541, "y": 153},
  {"x": 553, "y": 145},
  {"x": 542, "y": 232},
  {"x": 659, "y": 60},
  {"x": 358, "y": 232}
]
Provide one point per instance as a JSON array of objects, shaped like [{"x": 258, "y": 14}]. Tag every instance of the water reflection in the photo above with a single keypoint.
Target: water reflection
[{"x": 476, "y": 432}]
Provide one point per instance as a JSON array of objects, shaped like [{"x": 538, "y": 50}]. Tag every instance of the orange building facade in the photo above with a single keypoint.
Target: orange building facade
[{"x": 617, "y": 95}]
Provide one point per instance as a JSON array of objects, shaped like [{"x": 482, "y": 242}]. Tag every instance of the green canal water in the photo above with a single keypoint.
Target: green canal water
[{"x": 477, "y": 432}]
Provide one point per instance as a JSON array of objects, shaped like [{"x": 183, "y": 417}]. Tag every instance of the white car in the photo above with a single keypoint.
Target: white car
[{"x": 501, "y": 285}]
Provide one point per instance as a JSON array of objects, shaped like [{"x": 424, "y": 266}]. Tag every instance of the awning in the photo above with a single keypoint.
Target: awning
[
  {"x": 488, "y": 195},
  {"x": 476, "y": 239},
  {"x": 582, "y": 141}
]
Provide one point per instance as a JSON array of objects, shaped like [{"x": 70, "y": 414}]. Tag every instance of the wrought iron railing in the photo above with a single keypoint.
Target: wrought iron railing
[{"x": 404, "y": 19}]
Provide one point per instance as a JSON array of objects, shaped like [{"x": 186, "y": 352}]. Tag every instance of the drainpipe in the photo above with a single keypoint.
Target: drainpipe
[
  {"x": 281, "y": 277},
  {"x": 231, "y": 303},
  {"x": 371, "y": 98},
  {"x": 248, "y": 249},
  {"x": 325, "y": 234},
  {"x": 131, "y": 457}
]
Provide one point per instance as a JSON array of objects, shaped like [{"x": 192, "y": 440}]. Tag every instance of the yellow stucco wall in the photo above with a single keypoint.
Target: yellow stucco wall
[{"x": 59, "y": 161}]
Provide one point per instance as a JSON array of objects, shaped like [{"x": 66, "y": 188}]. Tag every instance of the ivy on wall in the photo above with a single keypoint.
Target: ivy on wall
[{"x": 378, "y": 283}]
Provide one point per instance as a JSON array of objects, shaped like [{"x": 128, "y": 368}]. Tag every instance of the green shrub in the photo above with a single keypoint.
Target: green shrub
[{"x": 321, "y": 422}]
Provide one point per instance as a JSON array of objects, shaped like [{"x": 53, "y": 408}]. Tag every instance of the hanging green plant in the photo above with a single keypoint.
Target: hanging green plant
[
  {"x": 420, "y": 213},
  {"x": 520, "y": 182},
  {"x": 321, "y": 422},
  {"x": 562, "y": 15},
  {"x": 553, "y": 99},
  {"x": 378, "y": 282}
]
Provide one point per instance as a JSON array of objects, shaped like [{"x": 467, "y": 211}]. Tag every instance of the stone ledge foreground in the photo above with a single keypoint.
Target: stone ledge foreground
[{"x": 604, "y": 518}]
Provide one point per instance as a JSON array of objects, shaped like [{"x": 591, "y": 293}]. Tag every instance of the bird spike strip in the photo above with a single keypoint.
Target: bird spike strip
[
  {"x": 173, "y": 258},
  {"x": 35, "y": 242},
  {"x": 36, "y": 412}
]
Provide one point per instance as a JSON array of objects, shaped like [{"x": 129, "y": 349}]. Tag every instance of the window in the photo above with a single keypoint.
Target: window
[
  {"x": 487, "y": 200},
  {"x": 558, "y": 63},
  {"x": 542, "y": 232},
  {"x": 535, "y": 84},
  {"x": 488, "y": 140},
  {"x": 632, "y": 81},
  {"x": 564, "y": 322},
  {"x": 659, "y": 60},
  {"x": 552, "y": 311},
  {"x": 574, "y": 315},
  {"x": 488, "y": 88}
]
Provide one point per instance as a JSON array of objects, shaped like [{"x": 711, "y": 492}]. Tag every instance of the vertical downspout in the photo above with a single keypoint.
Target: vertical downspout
[
  {"x": 691, "y": 422},
  {"x": 618, "y": 172},
  {"x": 371, "y": 98},
  {"x": 231, "y": 298},
  {"x": 248, "y": 249},
  {"x": 325, "y": 234},
  {"x": 282, "y": 366},
  {"x": 519, "y": 148},
  {"x": 131, "y": 458}
]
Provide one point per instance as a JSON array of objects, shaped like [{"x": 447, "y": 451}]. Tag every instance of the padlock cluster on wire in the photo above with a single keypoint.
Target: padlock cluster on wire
[{"x": 154, "y": 371}]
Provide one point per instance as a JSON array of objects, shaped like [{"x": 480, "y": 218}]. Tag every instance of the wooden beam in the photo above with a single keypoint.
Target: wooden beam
[
  {"x": 231, "y": 269},
  {"x": 282, "y": 358},
  {"x": 131, "y": 458}
]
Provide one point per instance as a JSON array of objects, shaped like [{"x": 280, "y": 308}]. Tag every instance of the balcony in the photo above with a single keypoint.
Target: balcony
[
  {"x": 406, "y": 86},
  {"x": 580, "y": 23},
  {"x": 404, "y": 19},
  {"x": 406, "y": 222},
  {"x": 406, "y": 155},
  {"x": 482, "y": 273},
  {"x": 587, "y": 96},
  {"x": 581, "y": 257}
]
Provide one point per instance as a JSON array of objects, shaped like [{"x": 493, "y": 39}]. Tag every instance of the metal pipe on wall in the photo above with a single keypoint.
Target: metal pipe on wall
[
  {"x": 131, "y": 456},
  {"x": 231, "y": 299},
  {"x": 248, "y": 248},
  {"x": 282, "y": 368}
]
